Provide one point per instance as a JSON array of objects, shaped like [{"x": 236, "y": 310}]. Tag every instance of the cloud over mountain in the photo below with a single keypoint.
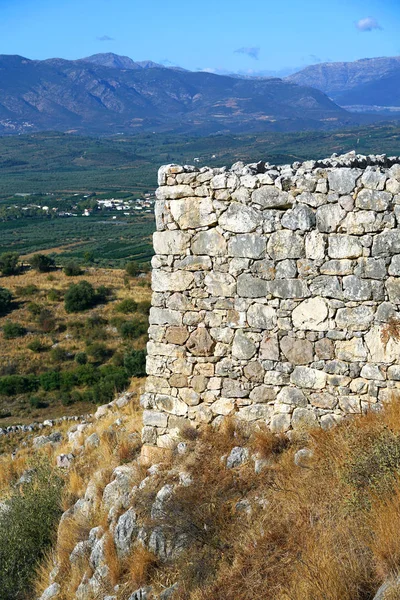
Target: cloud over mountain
[
  {"x": 252, "y": 51},
  {"x": 367, "y": 24}
]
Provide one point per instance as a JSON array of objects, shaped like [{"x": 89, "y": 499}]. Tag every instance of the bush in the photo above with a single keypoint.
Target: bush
[
  {"x": 135, "y": 363},
  {"x": 50, "y": 381},
  {"x": 68, "y": 380},
  {"x": 128, "y": 305},
  {"x": 37, "y": 346},
  {"x": 144, "y": 307},
  {"x": 9, "y": 263},
  {"x": 72, "y": 270},
  {"x": 59, "y": 354},
  {"x": 42, "y": 263},
  {"x": 27, "y": 528},
  {"x": 5, "y": 300},
  {"x": 80, "y": 296},
  {"x": 131, "y": 330},
  {"x": 99, "y": 352},
  {"x": 11, "y": 385},
  {"x": 132, "y": 269},
  {"x": 46, "y": 320},
  {"x": 81, "y": 358},
  {"x": 13, "y": 330},
  {"x": 54, "y": 295},
  {"x": 37, "y": 402},
  {"x": 34, "y": 308}
]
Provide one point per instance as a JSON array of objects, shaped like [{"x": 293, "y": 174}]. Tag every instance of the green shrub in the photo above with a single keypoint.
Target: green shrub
[
  {"x": 128, "y": 305},
  {"x": 37, "y": 346},
  {"x": 135, "y": 363},
  {"x": 68, "y": 380},
  {"x": 5, "y": 300},
  {"x": 11, "y": 385},
  {"x": 98, "y": 351},
  {"x": 37, "y": 402},
  {"x": 42, "y": 263},
  {"x": 144, "y": 307},
  {"x": 55, "y": 295},
  {"x": 80, "y": 296},
  {"x": 50, "y": 380},
  {"x": 72, "y": 270},
  {"x": 87, "y": 375},
  {"x": 59, "y": 354},
  {"x": 46, "y": 320},
  {"x": 13, "y": 330},
  {"x": 27, "y": 530},
  {"x": 34, "y": 308},
  {"x": 132, "y": 268},
  {"x": 9, "y": 263},
  {"x": 81, "y": 358},
  {"x": 131, "y": 330}
]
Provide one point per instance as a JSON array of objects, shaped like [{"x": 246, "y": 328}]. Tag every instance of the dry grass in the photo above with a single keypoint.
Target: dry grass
[{"x": 141, "y": 565}]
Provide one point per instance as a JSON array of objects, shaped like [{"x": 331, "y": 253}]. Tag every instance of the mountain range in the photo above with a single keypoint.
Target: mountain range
[
  {"x": 107, "y": 94},
  {"x": 365, "y": 85}
]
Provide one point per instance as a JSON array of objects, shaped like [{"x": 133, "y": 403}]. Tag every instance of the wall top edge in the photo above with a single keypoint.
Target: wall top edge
[{"x": 349, "y": 160}]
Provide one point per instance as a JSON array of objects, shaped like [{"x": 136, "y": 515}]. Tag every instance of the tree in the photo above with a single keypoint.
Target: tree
[
  {"x": 132, "y": 268},
  {"x": 42, "y": 263},
  {"x": 9, "y": 263},
  {"x": 5, "y": 300},
  {"x": 72, "y": 269},
  {"x": 80, "y": 296}
]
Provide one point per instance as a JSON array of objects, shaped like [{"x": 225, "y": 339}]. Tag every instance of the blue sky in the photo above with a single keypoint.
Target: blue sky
[{"x": 219, "y": 35}]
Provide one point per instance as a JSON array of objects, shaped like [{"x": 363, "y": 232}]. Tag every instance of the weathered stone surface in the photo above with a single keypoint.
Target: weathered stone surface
[
  {"x": 269, "y": 347},
  {"x": 315, "y": 245},
  {"x": 171, "y": 405},
  {"x": 125, "y": 532},
  {"x": 285, "y": 244},
  {"x": 311, "y": 315},
  {"x": 170, "y": 242},
  {"x": 220, "y": 284},
  {"x": 343, "y": 180},
  {"x": 177, "y": 281},
  {"x": 172, "y": 192},
  {"x": 200, "y": 343},
  {"x": 240, "y": 218},
  {"x": 344, "y": 246},
  {"x": 373, "y": 200},
  {"x": 326, "y": 286},
  {"x": 261, "y": 316},
  {"x": 262, "y": 393},
  {"x": 386, "y": 243},
  {"x": 323, "y": 400},
  {"x": 254, "y": 371},
  {"x": 292, "y": 396},
  {"x": 298, "y": 352},
  {"x": 243, "y": 347},
  {"x": 251, "y": 287},
  {"x": 271, "y": 197},
  {"x": 280, "y": 423},
  {"x": 351, "y": 350},
  {"x": 355, "y": 288},
  {"x": 193, "y": 212},
  {"x": 329, "y": 216},
  {"x": 237, "y": 457},
  {"x": 176, "y": 335},
  {"x": 247, "y": 246},
  {"x": 303, "y": 418},
  {"x": 289, "y": 288},
  {"x": 301, "y": 217},
  {"x": 164, "y": 316},
  {"x": 358, "y": 318},
  {"x": 306, "y": 377},
  {"x": 211, "y": 243}
]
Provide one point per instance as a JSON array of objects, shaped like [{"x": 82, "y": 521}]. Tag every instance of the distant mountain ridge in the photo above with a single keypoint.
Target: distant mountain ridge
[
  {"x": 368, "y": 83},
  {"x": 106, "y": 94}
]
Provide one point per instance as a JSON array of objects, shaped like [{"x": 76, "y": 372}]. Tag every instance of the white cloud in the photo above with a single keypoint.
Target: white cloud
[
  {"x": 367, "y": 24},
  {"x": 253, "y": 52},
  {"x": 105, "y": 38}
]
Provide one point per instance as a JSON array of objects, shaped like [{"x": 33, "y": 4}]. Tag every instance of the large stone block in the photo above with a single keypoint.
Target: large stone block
[
  {"x": 343, "y": 180},
  {"x": 344, "y": 246},
  {"x": 193, "y": 212},
  {"x": 176, "y": 281},
  {"x": 200, "y": 343},
  {"x": 311, "y": 315},
  {"x": 358, "y": 318},
  {"x": 172, "y": 192},
  {"x": 298, "y": 352},
  {"x": 247, "y": 246},
  {"x": 373, "y": 200},
  {"x": 301, "y": 217},
  {"x": 285, "y": 244},
  {"x": 220, "y": 284},
  {"x": 239, "y": 218},
  {"x": 243, "y": 347},
  {"x": 211, "y": 243},
  {"x": 271, "y": 197},
  {"x": 261, "y": 316},
  {"x": 386, "y": 243},
  {"x": 170, "y": 242},
  {"x": 306, "y": 377},
  {"x": 251, "y": 287},
  {"x": 329, "y": 217}
]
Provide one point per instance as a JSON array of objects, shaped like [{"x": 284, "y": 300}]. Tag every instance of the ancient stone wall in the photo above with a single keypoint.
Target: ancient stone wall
[{"x": 275, "y": 294}]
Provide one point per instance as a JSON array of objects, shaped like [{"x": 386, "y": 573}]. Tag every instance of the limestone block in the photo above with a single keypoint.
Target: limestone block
[
  {"x": 176, "y": 335},
  {"x": 324, "y": 349},
  {"x": 285, "y": 244},
  {"x": 303, "y": 419},
  {"x": 223, "y": 406},
  {"x": 154, "y": 418},
  {"x": 292, "y": 396},
  {"x": 305, "y": 377},
  {"x": 170, "y": 242},
  {"x": 254, "y": 371},
  {"x": 231, "y": 388},
  {"x": 373, "y": 179},
  {"x": 220, "y": 284},
  {"x": 298, "y": 352},
  {"x": 329, "y": 217},
  {"x": 393, "y": 289},
  {"x": 355, "y": 288},
  {"x": 262, "y": 393},
  {"x": 271, "y": 197},
  {"x": 363, "y": 221},
  {"x": 350, "y": 404},
  {"x": 193, "y": 212},
  {"x": 358, "y": 318},
  {"x": 157, "y": 385},
  {"x": 211, "y": 243},
  {"x": 243, "y": 347},
  {"x": 159, "y": 349},
  {"x": 264, "y": 269},
  {"x": 189, "y": 396},
  {"x": 195, "y": 263},
  {"x": 373, "y": 200},
  {"x": 289, "y": 288},
  {"x": 300, "y": 217},
  {"x": 371, "y": 371},
  {"x": 351, "y": 350},
  {"x": 394, "y": 268},
  {"x": 255, "y": 412},
  {"x": 200, "y": 343},
  {"x": 171, "y": 405},
  {"x": 386, "y": 243},
  {"x": 327, "y": 286},
  {"x": 177, "y": 281},
  {"x": 393, "y": 186},
  {"x": 251, "y": 287},
  {"x": 315, "y": 245},
  {"x": 311, "y": 315},
  {"x": 269, "y": 347},
  {"x": 337, "y": 267},
  {"x": 343, "y": 180},
  {"x": 173, "y": 192},
  {"x": 344, "y": 246},
  {"x": 378, "y": 352},
  {"x": 323, "y": 400},
  {"x": 261, "y": 316},
  {"x": 373, "y": 268},
  {"x": 247, "y": 246},
  {"x": 280, "y": 423},
  {"x": 239, "y": 218},
  {"x": 164, "y": 316}
]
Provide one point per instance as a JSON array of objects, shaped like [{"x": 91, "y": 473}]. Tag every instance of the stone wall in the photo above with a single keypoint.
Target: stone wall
[{"x": 275, "y": 294}]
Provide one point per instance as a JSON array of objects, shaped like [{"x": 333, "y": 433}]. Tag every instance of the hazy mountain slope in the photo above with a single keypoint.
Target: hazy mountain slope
[
  {"x": 338, "y": 77},
  {"x": 383, "y": 92},
  {"x": 91, "y": 98}
]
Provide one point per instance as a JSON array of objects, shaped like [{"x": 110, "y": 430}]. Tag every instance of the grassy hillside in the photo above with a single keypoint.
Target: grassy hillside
[{"x": 51, "y": 365}]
